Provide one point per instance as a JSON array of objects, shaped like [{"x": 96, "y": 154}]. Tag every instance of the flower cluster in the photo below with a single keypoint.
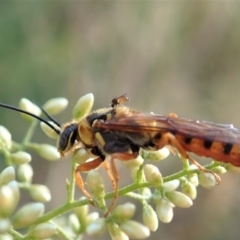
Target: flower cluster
[{"x": 158, "y": 195}]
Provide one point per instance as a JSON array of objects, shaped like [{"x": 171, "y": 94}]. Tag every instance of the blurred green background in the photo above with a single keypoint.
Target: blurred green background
[{"x": 180, "y": 57}]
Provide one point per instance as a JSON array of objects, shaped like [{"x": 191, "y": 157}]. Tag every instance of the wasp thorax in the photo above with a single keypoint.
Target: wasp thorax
[{"x": 67, "y": 138}]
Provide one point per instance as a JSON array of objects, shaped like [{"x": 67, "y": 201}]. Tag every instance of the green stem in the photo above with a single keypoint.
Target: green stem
[
  {"x": 71, "y": 184},
  {"x": 15, "y": 234},
  {"x": 123, "y": 191},
  {"x": 29, "y": 133}
]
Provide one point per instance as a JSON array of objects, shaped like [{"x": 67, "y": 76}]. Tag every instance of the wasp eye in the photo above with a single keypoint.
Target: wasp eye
[{"x": 67, "y": 138}]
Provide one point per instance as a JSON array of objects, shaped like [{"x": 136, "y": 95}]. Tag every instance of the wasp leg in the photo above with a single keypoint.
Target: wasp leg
[
  {"x": 113, "y": 173},
  {"x": 169, "y": 139},
  {"x": 86, "y": 167}
]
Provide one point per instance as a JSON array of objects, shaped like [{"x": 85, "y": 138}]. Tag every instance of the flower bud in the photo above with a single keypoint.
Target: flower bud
[
  {"x": 83, "y": 106},
  {"x": 27, "y": 214},
  {"x": 74, "y": 222},
  {"x": 6, "y": 237},
  {"x": 81, "y": 211},
  {"x": 7, "y": 175},
  {"x": 25, "y": 173},
  {"x": 171, "y": 185},
  {"x": 49, "y": 131},
  {"x": 5, "y": 138},
  {"x": 135, "y": 229},
  {"x": 219, "y": 170},
  {"x": 150, "y": 218},
  {"x": 16, "y": 192},
  {"x": 55, "y": 105},
  {"x": 133, "y": 163},
  {"x": 5, "y": 225},
  {"x": 21, "y": 157},
  {"x": 116, "y": 233},
  {"x": 48, "y": 152},
  {"x": 97, "y": 227},
  {"x": 179, "y": 199},
  {"x": 193, "y": 178},
  {"x": 189, "y": 189},
  {"x": 40, "y": 193},
  {"x": 155, "y": 155},
  {"x": 92, "y": 217},
  {"x": 153, "y": 175},
  {"x": 95, "y": 183},
  {"x": 7, "y": 201},
  {"x": 124, "y": 211},
  {"x": 80, "y": 156},
  {"x": 28, "y": 106},
  {"x": 207, "y": 180},
  {"x": 147, "y": 192},
  {"x": 164, "y": 210},
  {"x": 42, "y": 231}
]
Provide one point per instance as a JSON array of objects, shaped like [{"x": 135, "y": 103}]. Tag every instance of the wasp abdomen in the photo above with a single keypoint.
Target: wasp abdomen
[{"x": 219, "y": 151}]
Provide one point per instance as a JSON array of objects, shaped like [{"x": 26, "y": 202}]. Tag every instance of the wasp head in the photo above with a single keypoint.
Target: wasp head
[{"x": 67, "y": 138}]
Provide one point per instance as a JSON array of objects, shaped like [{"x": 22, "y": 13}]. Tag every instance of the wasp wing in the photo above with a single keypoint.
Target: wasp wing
[{"x": 146, "y": 122}]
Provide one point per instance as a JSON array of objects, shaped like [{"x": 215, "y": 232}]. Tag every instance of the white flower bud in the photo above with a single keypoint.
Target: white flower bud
[
  {"x": 207, "y": 180},
  {"x": 48, "y": 152},
  {"x": 164, "y": 210},
  {"x": 7, "y": 175},
  {"x": 27, "y": 214},
  {"x": 21, "y": 157},
  {"x": 83, "y": 106},
  {"x": 116, "y": 233},
  {"x": 97, "y": 227},
  {"x": 219, "y": 170},
  {"x": 25, "y": 173},
  {"x": 6, "y": 237},
  {"x": 40, "y": 193},
  {"x": 28, "y": 106},
  {"x": 124, "y": 211},
  {"x": 189, "y": 189},
  {"x": 193, "y": 178},
  {"x": 171, "y": 185},
  {"x": 81, "y": 211},
  {"x": 155, "y": 155},
  {"x": 16, "y": 192},
  {"x": 42, "y": 231},
  {"x": 133, "y": 163},
  {"x": 135, "y": 229},
  {"x": 150, "y": 218},
  {"x": 7, "y": 201},
  {"x": 179, "y": 199},
  {"x": 153, "y": 175},
  {"x": 95, "y": 183},
  {"x": 74, "y": 222},
  {"x": 55, "y": 105},
  {"x": 91, "y": 217},
  {"x": 80, "y": 156},
  {"x": 5, "y": 225},
  {"x": 49, "y": 131},
  {"x": 5, "y": 138},
  {"x": 147, "y": 192}
]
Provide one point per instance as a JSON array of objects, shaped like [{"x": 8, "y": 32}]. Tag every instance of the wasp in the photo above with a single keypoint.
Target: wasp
[{"x": 119, "y": 132}]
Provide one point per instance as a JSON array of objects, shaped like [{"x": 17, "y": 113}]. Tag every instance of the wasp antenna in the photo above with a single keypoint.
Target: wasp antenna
[
  {"x": 50, "y": 117},
  {"x": 34, "y": 116}
]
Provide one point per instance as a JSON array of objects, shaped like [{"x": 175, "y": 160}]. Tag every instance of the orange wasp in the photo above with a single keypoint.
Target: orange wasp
[{"x": 119, "y": 132}]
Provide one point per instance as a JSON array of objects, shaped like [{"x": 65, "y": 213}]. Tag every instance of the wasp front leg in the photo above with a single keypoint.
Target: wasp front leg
[
  {"x": 84, "y": 168},
  {"x": 170, "y": 139}
]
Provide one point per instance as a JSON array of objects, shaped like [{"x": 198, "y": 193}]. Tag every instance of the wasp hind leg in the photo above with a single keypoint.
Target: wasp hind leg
[{"x": 169, "y": 139}]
